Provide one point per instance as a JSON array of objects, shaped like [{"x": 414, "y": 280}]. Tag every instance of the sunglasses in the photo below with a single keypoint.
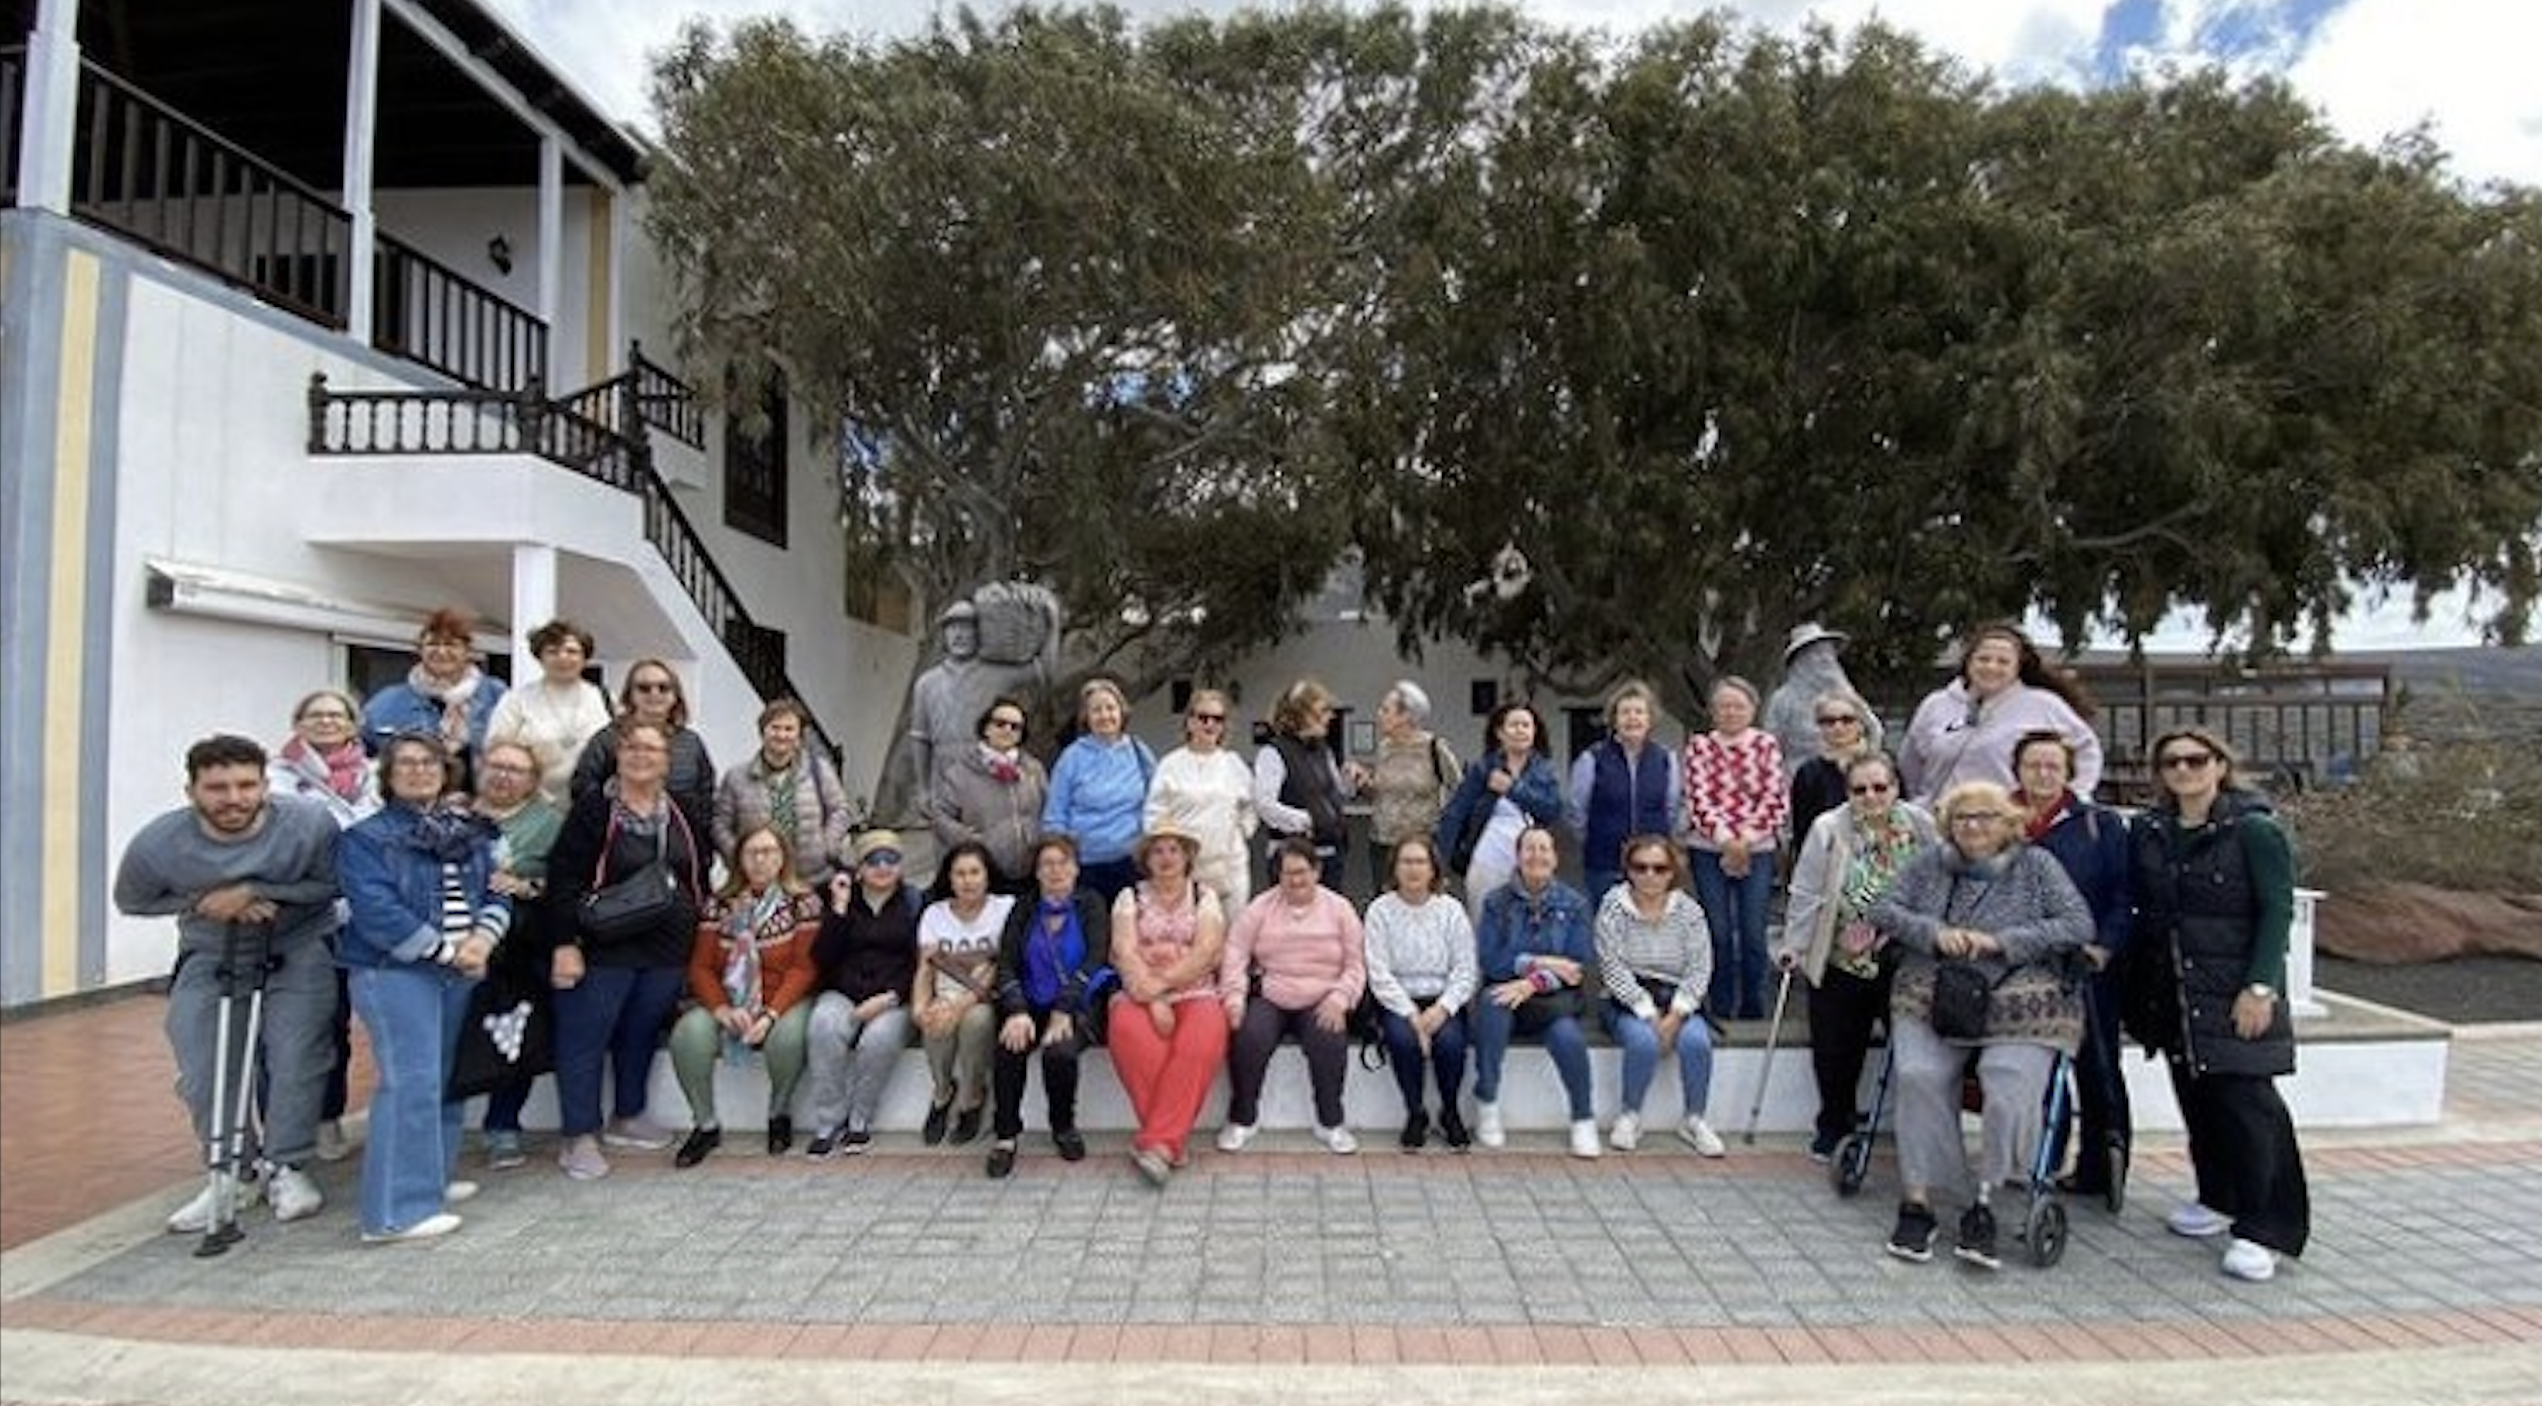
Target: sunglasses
[
  {"x": 882, "y": 859},
  {"x": 1006, "y": 722},
  {"x": 653, "y": 686},
  {"x": 1652, "y": 869},
  {"x": 1839, "y": 720},
  {"x": 2187, "y": 761},
  {"x": 1210, "y": 719},
  {"x": 1872, "y": 788}
]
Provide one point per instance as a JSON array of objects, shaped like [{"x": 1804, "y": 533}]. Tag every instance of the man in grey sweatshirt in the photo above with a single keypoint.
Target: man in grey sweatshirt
[{"x": 251, "y": 881}]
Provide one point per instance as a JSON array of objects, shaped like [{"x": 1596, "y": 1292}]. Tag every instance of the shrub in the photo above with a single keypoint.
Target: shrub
[{"x": 2457, "y": 814}]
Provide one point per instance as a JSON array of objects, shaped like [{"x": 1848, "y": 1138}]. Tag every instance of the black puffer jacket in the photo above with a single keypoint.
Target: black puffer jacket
[{"x": 2209, "y": 900}]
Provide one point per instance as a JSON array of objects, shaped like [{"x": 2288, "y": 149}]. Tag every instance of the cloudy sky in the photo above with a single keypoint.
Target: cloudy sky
[{"x": 2373, "y": 66}]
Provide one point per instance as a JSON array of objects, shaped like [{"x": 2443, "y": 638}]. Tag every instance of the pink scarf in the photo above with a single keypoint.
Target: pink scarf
[{"x": 343, "y": 767}]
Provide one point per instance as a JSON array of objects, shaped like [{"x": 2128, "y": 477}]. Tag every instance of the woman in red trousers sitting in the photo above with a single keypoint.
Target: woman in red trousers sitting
[{"x": 1168, "y": 1031}]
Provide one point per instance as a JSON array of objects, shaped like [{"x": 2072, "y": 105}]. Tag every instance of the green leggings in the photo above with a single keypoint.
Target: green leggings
[{"x": 696, "y": 1041}]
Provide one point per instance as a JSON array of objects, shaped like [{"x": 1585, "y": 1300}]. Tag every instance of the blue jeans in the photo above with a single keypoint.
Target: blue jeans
[
  {"x": 617, "y": 1013},
  {"x": 1495, "y": 1023},
  {"x": 412, "y": 1014},
  {"x": 1446, "y": 1061},
  {"x": 1735, "y": 911},
  {"x": 1640, "y": 1041}
]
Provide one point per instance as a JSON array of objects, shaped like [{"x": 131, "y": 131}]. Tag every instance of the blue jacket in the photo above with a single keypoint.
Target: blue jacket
[
  {"x": 1537, "y": 791},
  {"x": 2091, "y": 843},
  {"x": 1517, "y": 929},
  {"x": 1098, "y": 795},
  {"x": 394, "y": 891},
  {"x": 399, "y": 708}
]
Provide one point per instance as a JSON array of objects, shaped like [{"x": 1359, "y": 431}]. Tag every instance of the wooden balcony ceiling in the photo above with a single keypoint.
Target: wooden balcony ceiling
[{"x": 269, "y": 75}]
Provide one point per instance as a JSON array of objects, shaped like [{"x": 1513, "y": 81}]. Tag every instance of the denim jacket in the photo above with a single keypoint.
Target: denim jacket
[
  {"x": 394, "y": 890},
  {"x": 1517, "y": 929}
]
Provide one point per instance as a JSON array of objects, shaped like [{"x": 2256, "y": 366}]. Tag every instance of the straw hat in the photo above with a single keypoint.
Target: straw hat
[
  {"x": 1166, "y": 830},
  {"x": 1803, "y": 636}
]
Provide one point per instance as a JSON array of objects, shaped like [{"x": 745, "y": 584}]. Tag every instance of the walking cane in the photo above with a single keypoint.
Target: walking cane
[
  {"x": 225, "y": 1146},
  {"x": 1765, "y": 1067}
]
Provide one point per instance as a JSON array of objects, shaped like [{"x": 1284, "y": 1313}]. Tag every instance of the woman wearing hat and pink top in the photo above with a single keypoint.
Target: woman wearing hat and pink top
[{"x": 1168, "y": 1032}]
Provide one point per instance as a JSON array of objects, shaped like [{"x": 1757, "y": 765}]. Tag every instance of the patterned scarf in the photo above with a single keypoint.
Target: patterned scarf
[
  {"x": 341, "y": 769},
  {"x": 450, "y": 833},
  {"x": 453, "y": 698},
  {"x": 741, "y": 964},
  {"x": 782, "y": 815}
]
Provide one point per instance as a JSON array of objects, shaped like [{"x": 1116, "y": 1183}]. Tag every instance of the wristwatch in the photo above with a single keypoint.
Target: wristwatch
[{"x": 2262, "y": 990}]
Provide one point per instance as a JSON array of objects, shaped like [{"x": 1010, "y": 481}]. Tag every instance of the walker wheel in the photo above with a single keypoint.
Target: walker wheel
[
  {"x": 2046, "y": 1231},
  {"x": 1852, "y": 1162}
]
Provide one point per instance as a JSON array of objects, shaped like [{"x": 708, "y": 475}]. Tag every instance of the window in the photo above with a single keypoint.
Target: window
[{"x": 755, "y": 469}]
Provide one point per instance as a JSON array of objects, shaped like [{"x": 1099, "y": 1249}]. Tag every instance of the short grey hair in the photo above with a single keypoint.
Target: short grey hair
[{"x": 1410, "y": 697}]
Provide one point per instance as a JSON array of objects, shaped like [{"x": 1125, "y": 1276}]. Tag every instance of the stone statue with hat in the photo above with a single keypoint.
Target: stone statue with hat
[
  {"x": 1811, "y": 671},
  {"x": 1002, "y": 642}
]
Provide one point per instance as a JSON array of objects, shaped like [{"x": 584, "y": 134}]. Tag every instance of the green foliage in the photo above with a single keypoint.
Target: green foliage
[{"x": 2459, "y": 815}]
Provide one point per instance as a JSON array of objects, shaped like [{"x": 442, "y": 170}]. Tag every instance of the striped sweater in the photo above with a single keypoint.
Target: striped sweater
[{"x": 1734, "y": 788}]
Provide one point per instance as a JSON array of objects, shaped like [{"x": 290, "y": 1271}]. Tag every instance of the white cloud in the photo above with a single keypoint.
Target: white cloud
[{"x": 2379, "y": 66}]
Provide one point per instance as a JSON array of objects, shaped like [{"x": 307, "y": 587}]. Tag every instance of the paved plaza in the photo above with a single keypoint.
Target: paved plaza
[{"x": 1282, "y": 1272}]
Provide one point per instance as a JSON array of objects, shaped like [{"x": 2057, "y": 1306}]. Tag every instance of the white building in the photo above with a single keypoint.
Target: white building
[{"x": 206, "y": 209}]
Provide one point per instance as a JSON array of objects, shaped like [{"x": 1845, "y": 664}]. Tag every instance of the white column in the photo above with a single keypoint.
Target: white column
[
  {"x": 551, "y": 253},
  {"x": 618, "y": 334},
  {"x": 51, "y": 119},
  {"x": 2299, "y": 956},
  {"x": 533, "y": 602},
  {"x": 361, "y": 124}
]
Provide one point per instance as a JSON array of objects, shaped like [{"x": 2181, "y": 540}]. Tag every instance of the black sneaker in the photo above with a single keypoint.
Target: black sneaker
[
  {"x": 854, "y": 1141},
  {"x": 932, "y": 1131},
  {"x": 1822, "y": 1148},
  {"x": 1071, "y": 1144},
  {"x": 826, "y": 1145},
  {"x": 1416, "y": 1131},
  {"x": 966, "y": 1126},
  {"x": 1453, "y": 1132},
  {"x": 1913, "y": 1239},
  {"x": 1977, "y": 1239},
  {"x": 700, "y": 1141},
  {"x": 1001, "y": 1160},
  {"x": 780, "y": 1135}
]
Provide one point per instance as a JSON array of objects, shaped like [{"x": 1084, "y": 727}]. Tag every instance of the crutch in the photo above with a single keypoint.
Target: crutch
[
  {"x": 225, "y": 1142},
  {"x": 1765, "y": 1066}
]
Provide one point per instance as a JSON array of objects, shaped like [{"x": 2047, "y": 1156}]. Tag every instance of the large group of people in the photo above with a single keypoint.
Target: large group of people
[{"x": 402, "y": 859}]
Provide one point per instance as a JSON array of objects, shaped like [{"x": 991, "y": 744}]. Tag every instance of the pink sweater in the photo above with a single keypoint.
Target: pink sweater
[
  {"x": 1735, "y": 788},
  {"x": 1303, "y": 958}
]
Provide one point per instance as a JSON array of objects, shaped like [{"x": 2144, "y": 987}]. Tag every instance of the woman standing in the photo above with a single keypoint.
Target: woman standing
[
  {"x": 1656, "y": 959},
  {"x": 1421, "y": 969},
  {"x": 1409, "y": 781},
  {"x": 789, "y": 788},
  {"x": 1098, "y": 791},
  {"x": 2091, "y": 842},
  {"x": 618, "y": 982},
  {"x": 868, "y": 959},
  {"x": 1819, "y": 785},
  {"x": 1736, "y": 802},
  {"x": 1046, "y": 962},
  {"x": 1168, "y": 1030},
  {"x": 1990, "y": 905},
  {"x": 556, "y": 713},
  {"x": 1299, "y": 786},
  {"x": 524, "y": 966},
  {"x": 1847, "y": 861},
  {"x": 955, "y": 995},
  {"x": 445, "y": 693},
  {"x": 1964, "y": 730},
  {"x": 2215, "y": 901},
  {"x": 324, "y": 764},
  {"x": 1622, "y": 787},
  {"x": 1533, "y": 949},
  {"x": 993, "y": 793},
  {"x": 751, "y": 976},
  {"x": 1508, "y": 788},
  {"x": 423, "y": 924},
  {"x": 652, "y": 697},
  {"x": 1206, "y": 790},
  {"x": 1295, "y": 964}
]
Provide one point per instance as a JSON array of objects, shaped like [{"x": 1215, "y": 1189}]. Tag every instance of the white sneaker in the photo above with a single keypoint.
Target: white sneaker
[
  {"x": 293, "y": 1195},
  {"x": 1234, "y": 1136},
  {"x": 1338, "y": 1140},
  {"x": 2245, "y": 1260},
  {"x": 195, "y": 1216},
  {"x": 1584, "y": 1138},
  {"x": 431, "y": 1227},
  {"x": 1487, "y": 1125},
  {"x": 1627, "y": 1132},
  {"x": 332, "y": 1146},
  {"x": 457, "y": 1192},
  {"x": 1699, "y": 1135},
  {"x": 2194, "y": 1220}
]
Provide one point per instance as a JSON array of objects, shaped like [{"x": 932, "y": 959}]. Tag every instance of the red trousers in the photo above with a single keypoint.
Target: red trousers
[{"x": 1167, "y": 1076}]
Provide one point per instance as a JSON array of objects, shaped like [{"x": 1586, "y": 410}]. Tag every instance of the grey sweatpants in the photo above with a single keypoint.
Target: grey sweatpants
[
  {"x": 847, "y": 1061},
  {"x": 296, "y": 1045},
  {"x": 1931, "y": 1152}
]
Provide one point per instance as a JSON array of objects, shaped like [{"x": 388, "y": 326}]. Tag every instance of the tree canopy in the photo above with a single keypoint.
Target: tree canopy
[{"x": 1722, "y": 331}]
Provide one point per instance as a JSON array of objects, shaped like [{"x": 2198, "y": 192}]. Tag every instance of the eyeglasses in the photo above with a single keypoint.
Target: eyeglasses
[
  {"x": 443, "y": 644},
  {"x": 1652, "y": 869},
  {"x": 653, "y": 686},
  {"x": 2187, "y": 761},
  {"x": 646, "y": 747},
  {"x": 1978, "y": 817},
  {"x": 882, "y": 859},
  {"x": 1839, "y": 720},
  {"x": 416, "y": 764},
  {"x": 1872, "y": 788},
  {"x": 502, "y": 769},
  {"x": 327, "y": 715}
]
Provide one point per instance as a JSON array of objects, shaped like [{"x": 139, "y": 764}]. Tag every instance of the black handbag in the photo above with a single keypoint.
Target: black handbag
[
  {"x": 508, "y": 1037},
  {"x": 1961, "y": 996},
  {"x": 633, "y": 906}
]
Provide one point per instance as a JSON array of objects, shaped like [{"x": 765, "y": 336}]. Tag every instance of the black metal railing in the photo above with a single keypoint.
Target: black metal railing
[
  {"x": 12, "y": 98},
  {"x": 663, "y": 400},
  {"x": 147, "y": 172},
  {"x": 424, "y": 310},
  {"x": 578, "y": 432}
]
